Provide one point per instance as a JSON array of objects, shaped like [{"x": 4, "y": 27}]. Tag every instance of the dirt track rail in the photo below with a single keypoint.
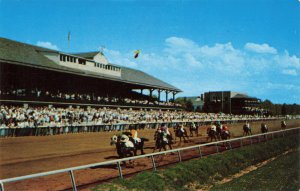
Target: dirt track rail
[{"x": 142, "y": 163}]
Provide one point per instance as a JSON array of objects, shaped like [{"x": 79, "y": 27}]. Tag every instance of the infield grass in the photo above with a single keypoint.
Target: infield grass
[{"x": 281, "y": 174}]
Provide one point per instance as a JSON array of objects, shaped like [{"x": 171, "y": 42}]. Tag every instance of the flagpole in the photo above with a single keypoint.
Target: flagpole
[{"x": 69, "y": 38}]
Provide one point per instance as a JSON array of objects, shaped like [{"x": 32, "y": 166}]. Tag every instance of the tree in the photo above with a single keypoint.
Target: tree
[
  {"x": 283, "y": 109},
  {"x": 189, "y": 105}
]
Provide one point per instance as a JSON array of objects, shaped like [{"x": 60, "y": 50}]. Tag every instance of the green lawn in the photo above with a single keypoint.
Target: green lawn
[{"x": 280, "y": 174}]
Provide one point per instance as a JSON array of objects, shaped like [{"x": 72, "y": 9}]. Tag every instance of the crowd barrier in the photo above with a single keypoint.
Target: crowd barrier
[
  {"x": 118, "y": 162},
  {"x": 88, "y": 128}
]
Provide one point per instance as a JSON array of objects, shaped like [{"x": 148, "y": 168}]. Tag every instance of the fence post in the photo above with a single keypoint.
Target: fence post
[
  {"x": 217, "y": 147},
  {"x": 1, "y": 186},
  {"x": 200, "y": 152},
  {"x": 120, "y": 169},
  {"x": 241, "y": 143},
  {"x": 230, "y": 144},
  {"x": 73, "y": 180},
  {"x": 153, "y": 163},
  {"x": 179, "y": 156}
]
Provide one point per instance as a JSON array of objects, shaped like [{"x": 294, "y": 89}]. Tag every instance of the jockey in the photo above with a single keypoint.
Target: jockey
[
  {"x": 166, "y": 129},
  {"x": 225, "y": 129},
  {"x": 165, "y": 136},
  {"x": 248, "y": 125},
  {"x": 157, "y": 133},
  {"x": 193, "y": 125},
  {"x": 213, "y": 128},
  {"x": 125, "y": 139},
  {"x": 182, "y": 128},
  {"x": 134, "y": 135},
  {"x": 283, "y": 124}
]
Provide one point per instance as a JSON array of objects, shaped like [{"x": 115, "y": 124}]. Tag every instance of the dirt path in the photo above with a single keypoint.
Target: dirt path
[{"x": 27, "y": 155}]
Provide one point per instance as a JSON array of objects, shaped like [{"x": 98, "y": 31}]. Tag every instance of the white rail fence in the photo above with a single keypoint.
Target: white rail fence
[{"x": 151, "y": 155}]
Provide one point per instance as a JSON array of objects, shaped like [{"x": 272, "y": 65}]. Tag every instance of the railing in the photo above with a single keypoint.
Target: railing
[
  {"x": 118, "y": 161},
  {"x": 89, "y": 127}
]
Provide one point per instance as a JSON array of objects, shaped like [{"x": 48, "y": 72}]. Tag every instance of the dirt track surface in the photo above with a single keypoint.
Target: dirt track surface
[{"x": 28, "y": 155}]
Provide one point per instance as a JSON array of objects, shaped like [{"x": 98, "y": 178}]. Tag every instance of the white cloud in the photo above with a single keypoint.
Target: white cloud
[
  {"x": 116, "y": 57},
  {"x": 285, "y": 60},
  {"x": 181, "y": 43},
  {"x": 260, "y": 48},
  {"x": 290, "y": 72},
  {"x": 196, "y": 68},
  {"x": 47, "y": 45}
]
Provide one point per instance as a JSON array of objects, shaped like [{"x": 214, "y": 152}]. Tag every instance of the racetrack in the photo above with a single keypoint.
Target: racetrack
[{"x": 27, "y": 155}]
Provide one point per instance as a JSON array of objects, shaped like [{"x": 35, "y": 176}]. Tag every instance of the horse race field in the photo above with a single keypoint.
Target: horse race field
[{"x": 27, "y": 155}]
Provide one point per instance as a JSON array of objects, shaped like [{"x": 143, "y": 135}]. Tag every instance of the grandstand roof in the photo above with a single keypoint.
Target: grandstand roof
[
  {"x": 243, "y": 96},
  {"x": 14, "y": 52}
]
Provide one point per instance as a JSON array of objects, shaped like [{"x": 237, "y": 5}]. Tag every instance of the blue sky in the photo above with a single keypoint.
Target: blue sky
[{"x": 248, "y": 46}]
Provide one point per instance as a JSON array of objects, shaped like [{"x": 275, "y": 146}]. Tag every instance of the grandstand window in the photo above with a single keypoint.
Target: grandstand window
[{"x": 62, "y": 57}]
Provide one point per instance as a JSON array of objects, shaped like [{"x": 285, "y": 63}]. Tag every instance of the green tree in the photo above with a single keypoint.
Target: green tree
[{"x": 284, "y": 109}]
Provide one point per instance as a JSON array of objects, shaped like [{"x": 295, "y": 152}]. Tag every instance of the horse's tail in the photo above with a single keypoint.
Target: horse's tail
[{"x": 144, "y": 139}]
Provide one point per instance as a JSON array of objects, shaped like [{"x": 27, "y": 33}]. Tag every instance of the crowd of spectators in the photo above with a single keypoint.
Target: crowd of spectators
[
  {"x": 30, "y": 116},
  {"x": 60, "y": 96}
]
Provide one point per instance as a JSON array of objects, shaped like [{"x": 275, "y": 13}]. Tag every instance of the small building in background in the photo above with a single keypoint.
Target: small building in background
[{"x": 231, "y": 102}]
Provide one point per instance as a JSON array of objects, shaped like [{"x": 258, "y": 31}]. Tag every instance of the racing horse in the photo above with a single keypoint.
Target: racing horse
[
  {"x": 138, "y": 145},
  {"x": 212, "y": 134},
  {"x": 264, "y": 129},
  {"x": 225, "y": 135},
  {"x": 283, "y": 124},
  {"x": 181, "y": 133},
  {"x": 162, "y": 140},
  {"x": 194, "y": 128},
  {"x": 122, "y": 150},
  {"x": 219, "y": 130},
  {"x": 247, "y": 129}
]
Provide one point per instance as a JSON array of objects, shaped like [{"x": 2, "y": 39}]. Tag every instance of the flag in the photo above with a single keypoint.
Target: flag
[{"x": 136, "y": 53}]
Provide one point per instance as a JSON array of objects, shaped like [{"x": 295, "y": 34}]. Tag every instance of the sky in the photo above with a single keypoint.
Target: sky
[{"x": 250, "y": 46}]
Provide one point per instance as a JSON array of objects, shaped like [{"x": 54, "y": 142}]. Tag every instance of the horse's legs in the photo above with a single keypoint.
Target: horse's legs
[
  {"x": 164, "y": 147},
  {"x": 134, "y": 152},
  {"x": 179, "y": 141},
  {"x": 142, "y": 148}
]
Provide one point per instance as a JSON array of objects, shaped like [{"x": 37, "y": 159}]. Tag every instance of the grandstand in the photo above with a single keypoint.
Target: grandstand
[{"x": 41, "y": 76}]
